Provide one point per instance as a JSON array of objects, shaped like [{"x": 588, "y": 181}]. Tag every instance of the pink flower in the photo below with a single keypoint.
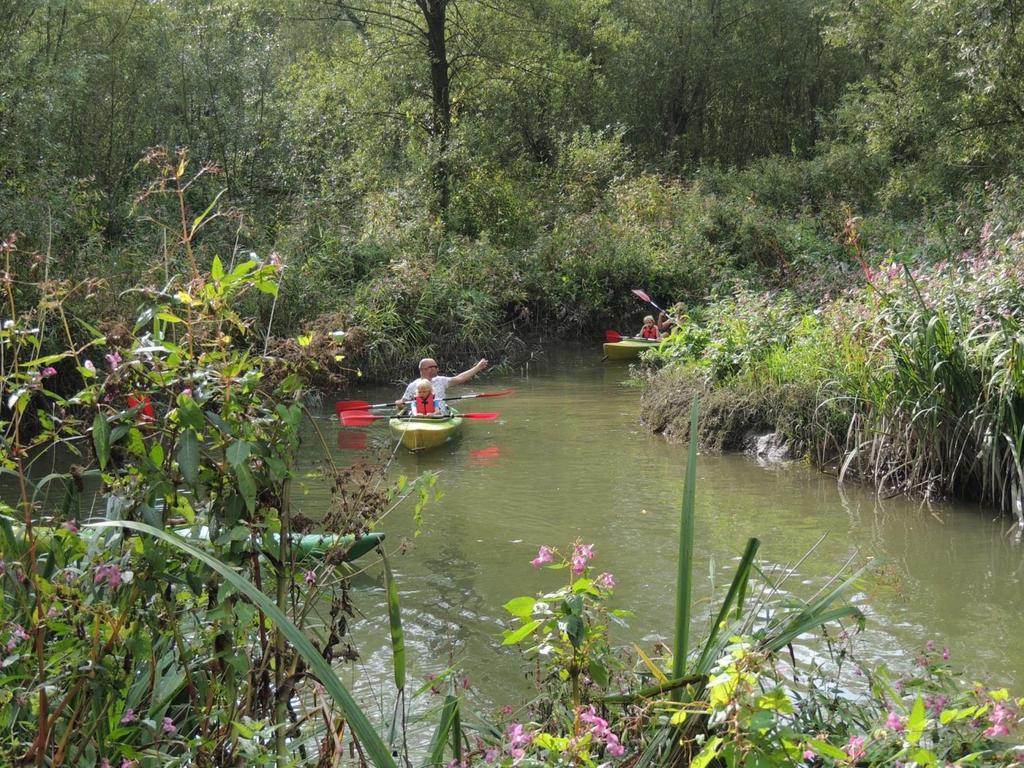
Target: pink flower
[
  {"x": 310, "y": 577},
  {"x": 855, "y": 747},
  {"x": 88, "y": 365},
  {"x": 581, "y": 555},
  {"x": 104, "y": 763},
  {"x": 169, "y": 726},
  {"x": 186, "y": 392},
  {"x": 996, "y": 730},
  {"x": 48, "y": 371},
  {"x": 929, "y": 646},
  {"x": 17, "y": 635},
  {"x": 615, "y": 749},
  {"x": 507, "y": 710},
  {"x": 809, "y": 754},
  {"x": 605, "y": 580},
  {"x": 490, "y": 755},
  {"x": 129, "y": 716},
  {"x": 110, "y": 573},
  {"x": 935, "y": 704},
  {"x": 894, "y": 722},
  {"x": 71, "y": 525},
  {"x": 126, "y": 763},
  {"x": 544, "y": 556},
  {"x": 945, "y": 654},
  {"x": 113, "y": 360}
]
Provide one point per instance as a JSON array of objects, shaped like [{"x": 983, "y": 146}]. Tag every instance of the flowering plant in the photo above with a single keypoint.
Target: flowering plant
[{"x": 566, "y": 630}]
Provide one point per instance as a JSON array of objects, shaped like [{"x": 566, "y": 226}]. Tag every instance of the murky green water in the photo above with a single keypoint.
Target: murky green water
[{"x": 567, "y": 458}]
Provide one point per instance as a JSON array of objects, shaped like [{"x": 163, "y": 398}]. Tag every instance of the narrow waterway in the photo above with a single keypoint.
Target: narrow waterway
[{"x": 568, "y": 459}]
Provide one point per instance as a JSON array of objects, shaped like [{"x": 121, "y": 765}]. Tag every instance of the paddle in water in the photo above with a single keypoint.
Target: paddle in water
[{"x": 363, "y": 405}]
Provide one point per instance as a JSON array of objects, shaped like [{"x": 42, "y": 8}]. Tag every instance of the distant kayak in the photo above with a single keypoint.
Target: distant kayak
[
  {"x": 628, "y": 349},
  {"x": 418, "y": 433}
]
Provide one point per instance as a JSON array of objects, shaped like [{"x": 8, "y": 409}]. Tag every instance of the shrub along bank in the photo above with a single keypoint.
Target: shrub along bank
[{"x": 912, "y": 377}]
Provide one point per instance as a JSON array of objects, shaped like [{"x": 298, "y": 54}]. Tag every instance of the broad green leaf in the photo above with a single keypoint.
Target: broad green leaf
[
  {"x": 238, "y": 452},
  {"x": 575, "y": 629},
  {"x": 189, "y": 414},
  {"x": 511, "y": 638},
  {"x": 187, "y": 456},
  {"x": 709, "y": 753},
  {"x": 917, "y": 721},
  {"x": 361, "y": 726},
  {"x": 923, "y": 757},
  {"x": 101, "y": 439},
  {"x": 217, "y": 268},
  {"x": 825, "y": 749},
  {"x": 246, "y": 485},
  {"x": 521, "y": 607}
]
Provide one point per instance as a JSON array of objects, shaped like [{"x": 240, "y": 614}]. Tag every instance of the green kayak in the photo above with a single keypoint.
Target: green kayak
[
  {"x": 418, "y": 433},
  {"x": 628, "y": 349}
]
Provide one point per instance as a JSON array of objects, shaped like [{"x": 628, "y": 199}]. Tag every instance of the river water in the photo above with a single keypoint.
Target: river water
[{"x": 567, "y": 459}]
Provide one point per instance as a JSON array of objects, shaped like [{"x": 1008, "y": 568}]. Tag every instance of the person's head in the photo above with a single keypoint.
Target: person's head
[
  {"x": 424, "y": 388},
  {"x": 428, "y": 368},
  {"x": 649, "y": 320}
]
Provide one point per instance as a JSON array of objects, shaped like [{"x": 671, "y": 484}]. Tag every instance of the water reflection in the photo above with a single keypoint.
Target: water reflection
[{"x": 568, "y": 459}]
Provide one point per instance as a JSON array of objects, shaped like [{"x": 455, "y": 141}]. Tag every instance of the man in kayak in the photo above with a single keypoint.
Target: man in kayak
[{"x": 440, "y": 384}]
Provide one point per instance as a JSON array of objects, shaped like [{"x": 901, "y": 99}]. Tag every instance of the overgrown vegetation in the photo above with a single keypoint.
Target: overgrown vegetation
[{"x": 913, "y": 379}]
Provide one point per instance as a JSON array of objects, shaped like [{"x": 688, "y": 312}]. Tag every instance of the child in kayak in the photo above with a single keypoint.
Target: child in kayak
[
  {"x": 650, "y": 330},
  {"x": 424, "y": 403}
]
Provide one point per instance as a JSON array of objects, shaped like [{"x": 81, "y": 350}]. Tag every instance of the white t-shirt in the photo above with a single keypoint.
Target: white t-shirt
[{"x": 440, "y": 385}]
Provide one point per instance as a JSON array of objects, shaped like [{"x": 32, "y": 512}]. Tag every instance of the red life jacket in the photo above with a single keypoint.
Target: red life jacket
[
  {"x": 423, "y": 406},
  {"x": 649, "y": 332}
]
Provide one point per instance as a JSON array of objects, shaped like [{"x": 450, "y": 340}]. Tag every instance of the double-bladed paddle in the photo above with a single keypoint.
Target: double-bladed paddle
[
  {"x": 362, "y": 405},
  {"x": 644, "y": 297},
  {"x": 365, "y": 418}
]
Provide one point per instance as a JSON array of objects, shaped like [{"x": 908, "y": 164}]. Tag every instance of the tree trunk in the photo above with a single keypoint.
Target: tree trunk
[{"x": 434, "y": 13}]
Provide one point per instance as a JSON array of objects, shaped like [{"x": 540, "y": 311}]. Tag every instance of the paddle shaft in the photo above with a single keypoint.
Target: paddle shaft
[
  {"x": 642, "y": 295},
  {"x": 362, "y": 405}
]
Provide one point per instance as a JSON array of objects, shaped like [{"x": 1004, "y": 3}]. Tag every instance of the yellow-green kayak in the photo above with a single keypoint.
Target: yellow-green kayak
[
  {"x": 628, "y": 349},
  {"x": 418, "y": 433}
]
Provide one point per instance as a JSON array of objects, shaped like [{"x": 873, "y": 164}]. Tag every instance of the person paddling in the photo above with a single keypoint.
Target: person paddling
[{"x": 439, "y": 384}]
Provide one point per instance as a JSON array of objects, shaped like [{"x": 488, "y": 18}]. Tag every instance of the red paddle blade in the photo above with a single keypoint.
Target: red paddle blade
[
  {"x": 350, "y": 405},
  {"x": 359, "y": 418},
  {"x": 479, "y": 416},
  {"x": 612, "y": 336},
  {"x": 641, "y": 295},
  {"x": 350, "y": 440}
]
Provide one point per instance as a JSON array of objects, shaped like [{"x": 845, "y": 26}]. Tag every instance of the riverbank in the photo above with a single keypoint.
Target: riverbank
[{"x": 912, "y": 378}]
